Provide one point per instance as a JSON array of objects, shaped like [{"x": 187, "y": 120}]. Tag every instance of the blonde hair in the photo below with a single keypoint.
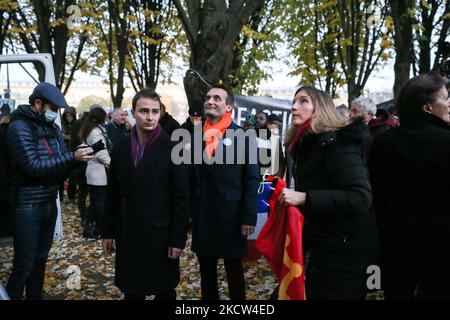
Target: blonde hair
[{"x": 325, "y": 117}]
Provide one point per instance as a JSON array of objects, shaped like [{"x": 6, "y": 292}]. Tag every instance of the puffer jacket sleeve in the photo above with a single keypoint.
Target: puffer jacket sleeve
[
  {"x": 23, "y": 151},
  {"x": 349, "y": 193}
]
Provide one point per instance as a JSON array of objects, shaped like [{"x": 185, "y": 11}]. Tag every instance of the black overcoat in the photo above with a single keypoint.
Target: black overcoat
[
  {"x": 225, "y": 198},
  {"x": 410, "y": 176},
  {"x": 146, "y": 211}
]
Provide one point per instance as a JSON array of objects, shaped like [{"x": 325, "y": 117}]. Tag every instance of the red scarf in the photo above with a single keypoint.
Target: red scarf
[
  {"x": 298, "y": 135},
  {"x": 213, "y": 132}
]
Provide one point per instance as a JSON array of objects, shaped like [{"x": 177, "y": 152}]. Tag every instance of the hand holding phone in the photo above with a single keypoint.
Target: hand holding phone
[{"x": 81, "y": 146}]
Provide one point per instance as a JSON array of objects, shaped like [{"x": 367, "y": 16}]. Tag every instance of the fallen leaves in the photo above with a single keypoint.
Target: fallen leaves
[{"x": 97, "y": 271}]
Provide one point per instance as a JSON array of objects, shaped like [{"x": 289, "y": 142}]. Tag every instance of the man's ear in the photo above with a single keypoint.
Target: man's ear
[
  {"x": 38, "y": 105},
  {"x": 229, "y": 108},
  {"x": 427, "y": 108}
]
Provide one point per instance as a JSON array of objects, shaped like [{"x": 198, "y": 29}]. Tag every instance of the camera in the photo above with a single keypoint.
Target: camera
[{"x": 99, "y": 145}]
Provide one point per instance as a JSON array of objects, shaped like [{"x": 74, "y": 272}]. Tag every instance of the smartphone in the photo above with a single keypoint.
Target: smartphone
[{"x": 99, "y": 145}]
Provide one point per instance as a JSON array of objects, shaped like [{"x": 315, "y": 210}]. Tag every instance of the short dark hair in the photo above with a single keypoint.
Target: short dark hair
[
  {"x": 417, "y": 92},
  {"x": 149, "y": 93},
  {"x": 33, "y": 98},
  {"x": 230, "y": 95}
]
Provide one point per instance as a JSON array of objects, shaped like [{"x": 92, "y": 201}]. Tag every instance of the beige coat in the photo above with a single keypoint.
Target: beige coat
[{"x": 95, "y": 171}]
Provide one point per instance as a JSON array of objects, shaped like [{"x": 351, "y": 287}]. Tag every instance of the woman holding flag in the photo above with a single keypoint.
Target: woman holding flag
[{"x": 333, "y": 193}]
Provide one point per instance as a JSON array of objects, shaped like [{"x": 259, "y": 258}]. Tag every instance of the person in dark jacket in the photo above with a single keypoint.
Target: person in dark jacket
[
  {"x": 224, "y": 211},
  {"x": 167, "y": 122},
  {"x": 333, "y": 192},
  {"x": 147, "y": 206},
  {"x": 79, "y": 172},
  {"x": 67, "y": 120},
  {"x": 410, "y": 176},
  {"x": 39, "y": 160},
  {"x": 383, "y": 122},
  {"x": 117, "y": 129}
]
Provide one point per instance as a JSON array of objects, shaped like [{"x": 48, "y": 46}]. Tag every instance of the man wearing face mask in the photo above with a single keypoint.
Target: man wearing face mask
[{"x": 39, "y": 159}]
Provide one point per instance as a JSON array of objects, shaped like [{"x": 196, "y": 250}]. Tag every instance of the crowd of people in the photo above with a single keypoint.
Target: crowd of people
[{"x": 372, "y": 185}]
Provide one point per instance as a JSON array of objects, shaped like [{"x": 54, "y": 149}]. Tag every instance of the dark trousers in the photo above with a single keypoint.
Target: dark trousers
[
  {"x": 34, "y": 225},
  {"x": 235, "y": 276},
  {"x": 72, "y": 188},
  {"x": 81, "y": 200},
  {"x": 169, "y": 295},
  {"x": 97, "y": 196}
]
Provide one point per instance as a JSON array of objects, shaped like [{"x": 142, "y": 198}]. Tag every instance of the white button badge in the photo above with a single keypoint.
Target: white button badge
[{"x": 227, "y": 142}]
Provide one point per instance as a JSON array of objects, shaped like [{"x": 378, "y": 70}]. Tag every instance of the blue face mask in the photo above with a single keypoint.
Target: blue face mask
[{"x": 50, "y": 115}]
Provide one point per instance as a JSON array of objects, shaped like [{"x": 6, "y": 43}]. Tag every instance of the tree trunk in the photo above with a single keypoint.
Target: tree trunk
[
  {"x": 443, "y": 52},
  {"x": 354, "y": 91},
  {"x": 402, "y": 41},
  {"x": 212, "y": 31}
]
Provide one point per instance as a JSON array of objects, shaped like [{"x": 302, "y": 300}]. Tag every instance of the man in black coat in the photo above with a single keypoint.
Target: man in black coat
[
  {"x": 224, "y": 212},
  {"x": 147, "y": 206}
]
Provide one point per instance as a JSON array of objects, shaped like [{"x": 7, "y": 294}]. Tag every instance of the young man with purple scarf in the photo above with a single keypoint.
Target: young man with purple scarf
[{"x": 146, "y": 209}]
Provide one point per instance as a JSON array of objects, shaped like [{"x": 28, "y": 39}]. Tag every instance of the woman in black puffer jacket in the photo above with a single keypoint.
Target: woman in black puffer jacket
[{"x": 333, "y": 192}]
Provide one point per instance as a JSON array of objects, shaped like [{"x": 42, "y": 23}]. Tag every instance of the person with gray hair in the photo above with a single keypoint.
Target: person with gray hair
[
  {"x": 117, "y": 130},
  {"x": 363, "y": 107}
]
